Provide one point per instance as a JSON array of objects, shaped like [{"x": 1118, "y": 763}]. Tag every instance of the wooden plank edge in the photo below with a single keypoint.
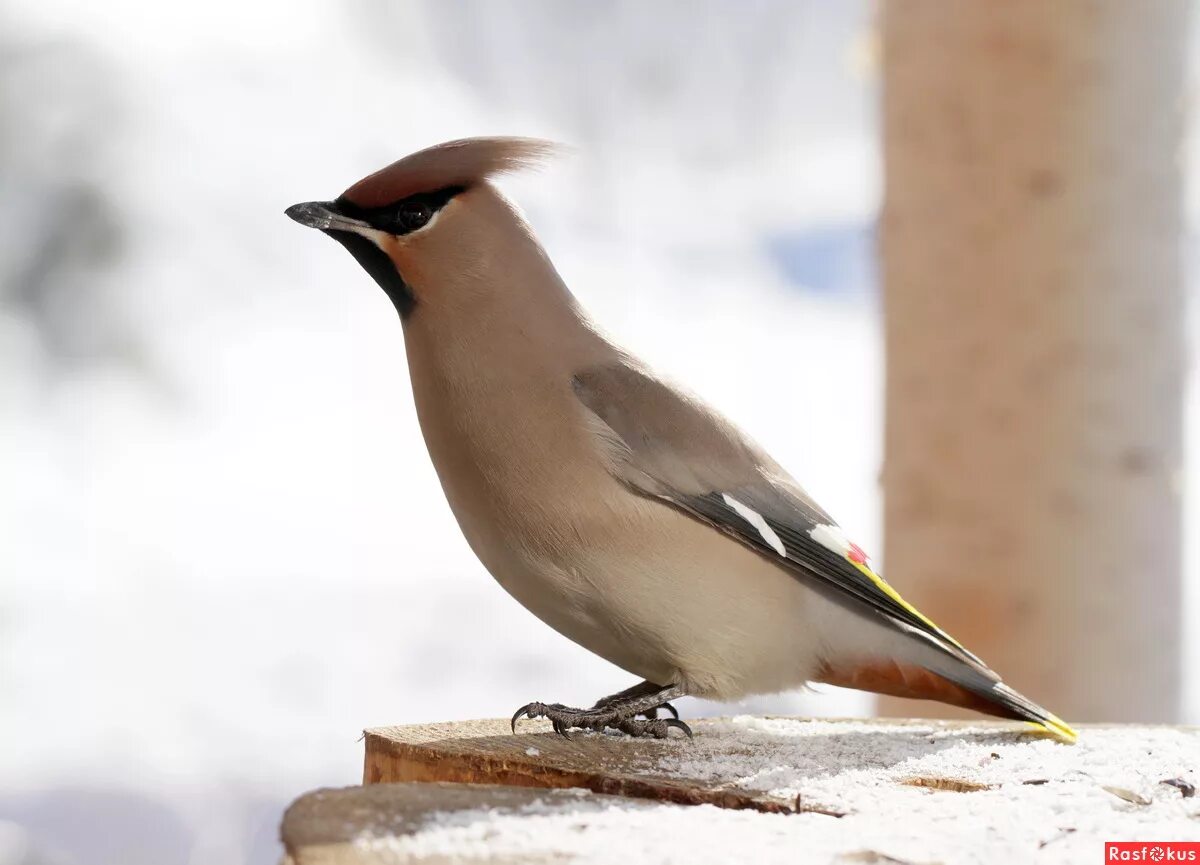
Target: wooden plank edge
[
  {"x": 388, "y": 761},
  {"x": 426, "y": 754}
]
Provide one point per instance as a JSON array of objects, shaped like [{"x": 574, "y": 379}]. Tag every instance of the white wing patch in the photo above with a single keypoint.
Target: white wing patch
[
  {"x": 833, "y": 538},
  {"x": 755, "y": 519}
]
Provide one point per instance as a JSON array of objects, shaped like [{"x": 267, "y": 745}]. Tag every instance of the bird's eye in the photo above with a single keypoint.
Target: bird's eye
[{"x": 412, "y": 215}]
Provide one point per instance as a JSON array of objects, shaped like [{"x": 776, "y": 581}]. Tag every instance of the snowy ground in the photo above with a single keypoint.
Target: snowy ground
[{"x": 223, "y": 550}]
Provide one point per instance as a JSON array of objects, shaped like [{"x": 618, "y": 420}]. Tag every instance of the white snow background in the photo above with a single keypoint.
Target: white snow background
[{"x": 223, "y": 551}]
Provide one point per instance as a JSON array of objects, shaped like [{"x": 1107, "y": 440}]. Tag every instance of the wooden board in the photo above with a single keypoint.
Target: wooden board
[
  {"x": 367, "y": 825},
  {"x": 859, "y": 791},
  {"x": 486, "y": 752}
]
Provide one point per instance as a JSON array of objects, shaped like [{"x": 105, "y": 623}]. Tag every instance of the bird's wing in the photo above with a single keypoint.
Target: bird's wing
[
  {"x": 669, "y": 445},
  {"x": 673, "y": 447}
]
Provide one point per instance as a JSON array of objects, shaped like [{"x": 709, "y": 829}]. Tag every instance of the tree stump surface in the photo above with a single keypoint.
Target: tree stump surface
[{"x": 764, "y": 789}]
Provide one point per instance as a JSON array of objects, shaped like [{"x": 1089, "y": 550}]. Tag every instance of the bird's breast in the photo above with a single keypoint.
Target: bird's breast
[{"x": 512, "y": 454}]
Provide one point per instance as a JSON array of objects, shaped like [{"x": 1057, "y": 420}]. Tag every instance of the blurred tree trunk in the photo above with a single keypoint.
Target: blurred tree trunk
[{"x": 1034, "y": 298}]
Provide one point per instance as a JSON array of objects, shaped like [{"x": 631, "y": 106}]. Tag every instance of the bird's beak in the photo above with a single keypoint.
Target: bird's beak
[{"x": 325, "y": 216}]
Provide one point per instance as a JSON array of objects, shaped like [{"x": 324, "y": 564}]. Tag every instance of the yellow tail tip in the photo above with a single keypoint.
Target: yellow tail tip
[{"x": 1057, "y": 728}]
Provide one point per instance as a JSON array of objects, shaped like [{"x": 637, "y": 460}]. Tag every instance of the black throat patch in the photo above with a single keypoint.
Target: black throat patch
[{"x": 382, "y": 269}]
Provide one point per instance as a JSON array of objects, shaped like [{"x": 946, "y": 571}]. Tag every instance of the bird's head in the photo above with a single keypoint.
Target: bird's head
[{"x": 430, "y": 217}]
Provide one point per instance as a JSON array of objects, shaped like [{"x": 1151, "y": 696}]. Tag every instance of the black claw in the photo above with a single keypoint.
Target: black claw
[
  {"x": 679, "y": 725},
  {"x": 527, "y": 710},
  {"x": 670, "y": 709}
]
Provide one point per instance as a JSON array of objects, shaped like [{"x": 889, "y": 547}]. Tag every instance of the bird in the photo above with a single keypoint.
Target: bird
[{"x": 615, "y": 505}]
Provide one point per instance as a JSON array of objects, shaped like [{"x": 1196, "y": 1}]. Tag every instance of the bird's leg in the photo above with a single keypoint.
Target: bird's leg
[
  {"x": 619, "y": 712},
  {"x": 641, "y": 689}
]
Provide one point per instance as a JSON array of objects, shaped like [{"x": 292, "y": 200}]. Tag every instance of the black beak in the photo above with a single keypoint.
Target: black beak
[
  {"x": 359, "y": 238},
  {"x": 324, "y": 216}
]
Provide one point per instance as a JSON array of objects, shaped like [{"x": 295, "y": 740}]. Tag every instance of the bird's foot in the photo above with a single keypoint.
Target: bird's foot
[
  {"x": 598, "y": 718},
  {"x": 650, "y": 714}
]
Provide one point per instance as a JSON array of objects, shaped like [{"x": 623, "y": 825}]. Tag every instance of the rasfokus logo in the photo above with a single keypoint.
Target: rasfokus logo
[{"x": 1152, "y": 851}]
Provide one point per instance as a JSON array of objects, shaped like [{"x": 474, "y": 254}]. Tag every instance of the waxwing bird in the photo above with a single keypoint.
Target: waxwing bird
[{"x": 620, "y": 509}]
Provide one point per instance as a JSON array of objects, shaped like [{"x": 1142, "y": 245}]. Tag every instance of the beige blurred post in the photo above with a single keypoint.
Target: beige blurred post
[{"x": 1034, "y": 298}]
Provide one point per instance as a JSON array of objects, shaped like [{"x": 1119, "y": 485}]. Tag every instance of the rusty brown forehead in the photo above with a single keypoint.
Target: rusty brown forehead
[{"x": 461, "y": 163}]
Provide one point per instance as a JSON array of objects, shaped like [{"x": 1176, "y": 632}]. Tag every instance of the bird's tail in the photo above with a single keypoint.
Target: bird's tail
[
  {"x": 953, "y": 682},
  {"x": 992, "y": 697},
  {"x": 1007, "y": 703}
]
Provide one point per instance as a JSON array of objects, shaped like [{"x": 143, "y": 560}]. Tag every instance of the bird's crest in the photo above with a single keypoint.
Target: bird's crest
[{"x": 460, "y": 163}]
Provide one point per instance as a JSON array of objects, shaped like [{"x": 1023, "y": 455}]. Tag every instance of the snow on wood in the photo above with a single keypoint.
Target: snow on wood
[{"x": 826, "y": 791}]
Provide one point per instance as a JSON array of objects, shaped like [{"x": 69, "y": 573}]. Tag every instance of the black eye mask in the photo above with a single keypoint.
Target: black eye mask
[{"x": 403, "y": 216}]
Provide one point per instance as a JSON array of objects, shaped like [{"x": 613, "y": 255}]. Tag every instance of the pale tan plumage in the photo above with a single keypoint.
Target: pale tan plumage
[
  {"x": 619, "y": 509},
  {"x": 454, "y": 163}
]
